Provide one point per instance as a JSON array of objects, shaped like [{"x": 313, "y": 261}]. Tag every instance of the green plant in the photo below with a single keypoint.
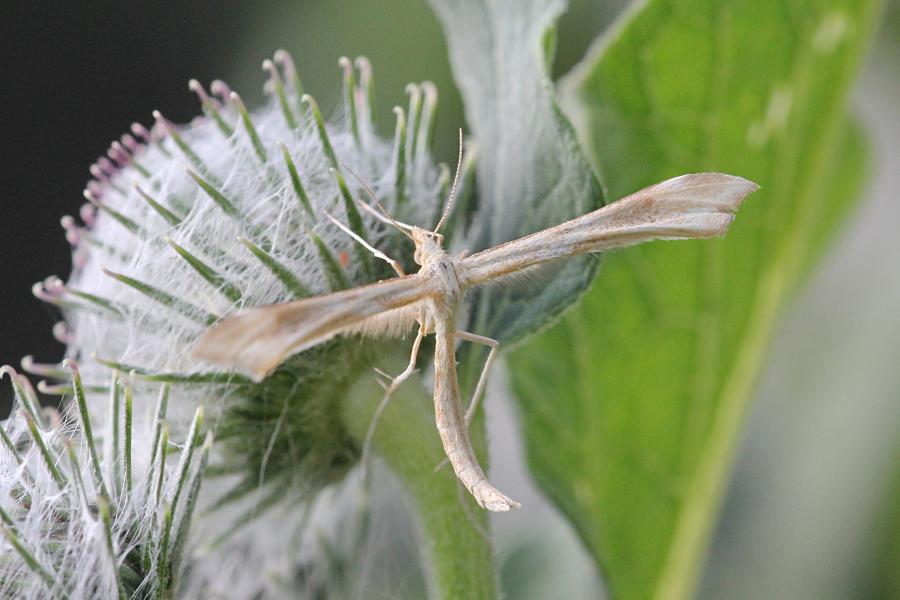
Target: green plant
[{"x": 630, "y": 427}]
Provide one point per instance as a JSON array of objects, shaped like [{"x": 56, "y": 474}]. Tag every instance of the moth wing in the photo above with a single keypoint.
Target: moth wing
[
  {"x": 698, "y": 205},
  {"x": 258, "y": 339}
]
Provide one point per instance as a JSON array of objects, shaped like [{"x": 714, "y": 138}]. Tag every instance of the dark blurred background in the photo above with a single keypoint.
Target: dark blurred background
[{"x": 74, "y": 76}]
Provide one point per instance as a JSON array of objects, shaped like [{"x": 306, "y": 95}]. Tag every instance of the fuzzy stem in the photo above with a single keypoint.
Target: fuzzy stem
[
  {"x": 115, "y": 410},
  {"x": 458, "y": 558},
  {"x": 129, "y": 400},
  {"x": 87, "y": 429},
  {"x": 10, "y": 445},
  {"x": 38, "y": 439}
]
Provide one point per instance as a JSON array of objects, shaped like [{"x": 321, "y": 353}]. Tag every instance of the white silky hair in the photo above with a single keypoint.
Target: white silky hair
[{"x": 288, "y": 550}]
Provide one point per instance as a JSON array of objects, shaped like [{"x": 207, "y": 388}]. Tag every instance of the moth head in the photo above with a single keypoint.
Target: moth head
[{"x": 428, "y": 243}]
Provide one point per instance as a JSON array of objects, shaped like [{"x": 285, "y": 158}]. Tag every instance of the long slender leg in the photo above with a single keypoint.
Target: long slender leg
[
  {"x": 375, "y": 252},
  {"x": 451, "y": 424},
  {"x": 482, "y": 380},
  {"x": 390, "y": 389}
]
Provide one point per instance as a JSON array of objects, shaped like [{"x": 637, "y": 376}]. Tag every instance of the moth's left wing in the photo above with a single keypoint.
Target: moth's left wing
[
  {"x": 700, "y": 205},
  {"x": 259, "y": 339}
]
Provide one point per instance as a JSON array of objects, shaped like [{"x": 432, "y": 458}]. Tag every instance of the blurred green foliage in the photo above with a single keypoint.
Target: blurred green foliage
[
  {"x": 634, "y": 404},
  {"x": 402, "y": 38}
]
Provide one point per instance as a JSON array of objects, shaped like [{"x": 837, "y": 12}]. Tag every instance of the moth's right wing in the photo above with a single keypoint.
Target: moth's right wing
[
  {"x": 258, "y": 339},
  {"x": 698, "y": 205}
]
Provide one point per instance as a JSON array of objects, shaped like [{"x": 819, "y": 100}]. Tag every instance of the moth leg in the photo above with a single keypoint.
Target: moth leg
[
  {"x": 482, "y": 380},
  {"x": 375, "y": 252},
  {"x": 390, "y": 389}
]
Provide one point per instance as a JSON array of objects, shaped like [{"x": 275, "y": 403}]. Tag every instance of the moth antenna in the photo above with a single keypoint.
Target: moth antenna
[
  {"x": 383, "y": 216},
  {"x": 453, "y": 187}
]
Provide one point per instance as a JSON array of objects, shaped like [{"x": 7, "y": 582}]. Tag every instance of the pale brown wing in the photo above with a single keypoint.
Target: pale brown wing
[
  {"x": 700, "y": 205},
  {"x": 259, "y": 339}
]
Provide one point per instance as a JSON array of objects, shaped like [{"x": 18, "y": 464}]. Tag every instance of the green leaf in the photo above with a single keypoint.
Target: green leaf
[
  {"x": 880, "y": 576},
  {"x": 633, "y": 405},
  {"x": 531, "y": 173}
]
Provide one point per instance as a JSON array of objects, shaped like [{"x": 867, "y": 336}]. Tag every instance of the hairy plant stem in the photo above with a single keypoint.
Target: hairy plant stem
[{"x": 455, "y": 549}]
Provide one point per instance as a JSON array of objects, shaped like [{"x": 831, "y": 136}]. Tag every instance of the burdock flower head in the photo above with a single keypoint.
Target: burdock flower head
[
  {"x": 184, "y": 224},
  {"x": 238, "y": 210}
]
